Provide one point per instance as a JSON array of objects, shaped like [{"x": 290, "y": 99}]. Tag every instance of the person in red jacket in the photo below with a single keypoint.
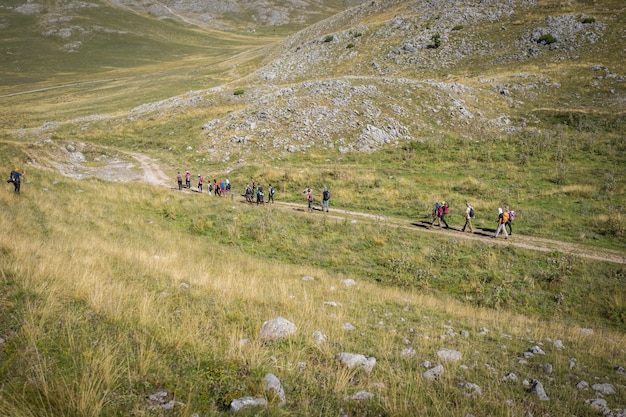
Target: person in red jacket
[{"x": 440, "y": 215}]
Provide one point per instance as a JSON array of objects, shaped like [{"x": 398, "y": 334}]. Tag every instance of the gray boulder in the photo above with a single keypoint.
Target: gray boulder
[{"x": 277, "y": 328}]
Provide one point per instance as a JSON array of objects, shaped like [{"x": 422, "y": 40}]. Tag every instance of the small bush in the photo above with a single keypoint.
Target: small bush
[
  {"x": 357, "y": 34},
  {"x": 350, "y": 45},
  {"x": 547, "y": 39},
  {"x": 587, "y": 20},
  {"x": 239, "y": 92},
  {"x": 329, "y": 38},
  {"x": 457, "y": 27},
  {"x": 436, "y": 38}
]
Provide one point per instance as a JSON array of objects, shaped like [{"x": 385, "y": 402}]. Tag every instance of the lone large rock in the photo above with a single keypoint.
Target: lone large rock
[{"x": 277, "y": 328}]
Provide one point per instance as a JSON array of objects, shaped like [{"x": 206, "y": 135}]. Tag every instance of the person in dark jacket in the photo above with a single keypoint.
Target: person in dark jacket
[{"x": 16, "y": 178}]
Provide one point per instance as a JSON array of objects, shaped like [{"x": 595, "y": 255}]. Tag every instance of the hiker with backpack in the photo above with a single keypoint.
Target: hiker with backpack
[
  {"x": 325, "y": 198},
  {"x": 259, "y": 195},
  {"x": 200, "y": 181},
  {"x": 270, "y": 193},
  {"x": 16, "y": 178},
  {"x": 440, "y": 214},
  {"x": 187, "y": 179},
  {"x": 469, "y": 215},
  {"x": 509, "y": 222},
  {"x": 503, "y": 217},
  {"x": 309, "y": 198},
  {"x": 179, "y": 179}
]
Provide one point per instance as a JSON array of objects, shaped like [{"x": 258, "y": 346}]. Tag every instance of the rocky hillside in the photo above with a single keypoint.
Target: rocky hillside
[
  {"x": 396, "y": 71},
  {"x": 390, "y": 72}
]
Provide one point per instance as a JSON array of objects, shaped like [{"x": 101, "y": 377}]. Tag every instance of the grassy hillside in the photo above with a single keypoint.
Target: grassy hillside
[{"x": 112, "y": 293}]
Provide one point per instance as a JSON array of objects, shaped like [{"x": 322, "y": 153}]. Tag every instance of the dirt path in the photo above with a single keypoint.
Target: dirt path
[
  {"x": 484, "y": 236},
  {"x": 152, "y": 173}
]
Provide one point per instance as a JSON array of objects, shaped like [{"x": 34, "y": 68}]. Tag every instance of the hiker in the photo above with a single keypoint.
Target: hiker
[
  {"x": 309, "y": 198},
  {"x": 16, "y": 178},
  {"x": 227, "y": 185},
  {"x": 210, "y": 188},
  {"x": 249, "y": 194},
  {"x": 440, "y": 215},
  {"x": 259, "y": 195},
  {"x": 270, "y": 193},
  {"x": 187, "y": 179},
  {"x": 469, "y": 214},
  {"x": 216, "y": 187},
  {"x": 179, "y": 178},
  {"x": 503, "y": 217},
  {"x": 325, "y": 198},
  {"x": 509, "y": 222},
  {"x": 200, "y": 181}
]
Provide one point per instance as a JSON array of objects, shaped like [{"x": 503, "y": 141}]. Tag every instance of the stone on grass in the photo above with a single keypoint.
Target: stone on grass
[
  {"x": 272, "y": 383},
  {"x": 510, "y": 377},
  {"x": 360, "y": 396},
  {"x": 348, "y": 282},
  {"x": 473, "y": 390},
  {"x": 277, "y": 328},
  {"x": 536, "y": 350},
  {"x": 354, "y": 359},
  {"x": 582, "y": 385},
  {"x": 246, "y": 402},
  {"x": 408, "y": 353},
  {"x": 348, "y": 326},
  {"x": 449, "y": 355},
  {"x": 319, "y": 337},
  {"x": 536, "y": 388},
  {"x": 606, "y": 389},
  {"x": 433, "y": 373}
]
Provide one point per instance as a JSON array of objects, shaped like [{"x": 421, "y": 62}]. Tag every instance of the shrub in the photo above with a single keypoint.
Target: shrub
[
  {"x": 587, "y": 20},
  {"x": 329, "y": 38},
  {"x": 457, "y": 27},
  {"x": 357, "y": 34},
  {"x": 350, "y": 45},
  {"x": 436, "y": 38},
  {"x": 547, "y": 39},
  {"x": 239, "y": 91}
]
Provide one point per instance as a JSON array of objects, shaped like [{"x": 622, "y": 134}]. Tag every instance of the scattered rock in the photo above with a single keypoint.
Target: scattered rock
[
  {"x": 433, "y": 373},
  {"x": 354, "y": 359},
  {"x": 472, "y": 389},
  {"x": 536, "y": 388},
  {"x": 360, "y": 396},
  {"x": 247, "y": 402},
  {"x": 272, "y": 383},
  {"x": 606, "y": 389},
  {"x": 582, "y": 385},
  {"x": 449, "y": 355},
  {"x": 277, "y": 328},
  {"x": 319, "y": 337}
]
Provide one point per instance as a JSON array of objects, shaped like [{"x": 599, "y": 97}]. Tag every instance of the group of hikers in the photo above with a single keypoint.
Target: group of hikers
[
  {"x": 505, "y": 218},
  {"x": 310, "y": 198},
  {"x": 255, "y": 193},
  {"x": 219, "y": 188}
]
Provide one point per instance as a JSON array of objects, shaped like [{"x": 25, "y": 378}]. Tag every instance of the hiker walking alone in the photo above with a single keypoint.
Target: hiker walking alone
[
  {"x": 440, "y": 215},
  {"x": 503, "y": 217},
  {"x": 16, "y": 178},
  {"x": 325, "y": 198},
  {"x": 179, "y": 179},
  {"x": 469, "y": 213}
]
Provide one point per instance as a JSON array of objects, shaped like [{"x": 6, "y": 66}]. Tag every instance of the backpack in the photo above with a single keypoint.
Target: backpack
[
  {"x": 326, "y": 195},
  {"x": 471, "y": 212},
  {"x": 511, "y": 215},
  {"x": 271, "y": 190}
]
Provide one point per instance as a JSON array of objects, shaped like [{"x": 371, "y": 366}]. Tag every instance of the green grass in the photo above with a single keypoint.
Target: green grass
[{"x": 155, "y": 288}]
